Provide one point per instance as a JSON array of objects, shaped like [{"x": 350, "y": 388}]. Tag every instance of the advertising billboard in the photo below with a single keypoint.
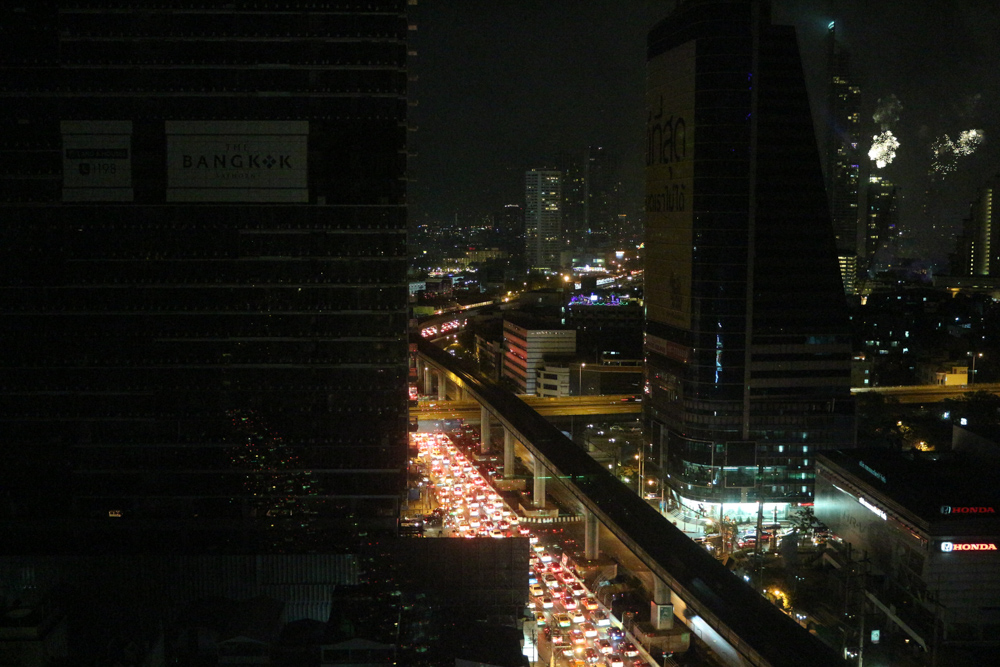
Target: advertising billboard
[
  {"x": 96, "y": 160},
  {"x": 237, "y": 161},
  {"x": 670, "y": 132}
]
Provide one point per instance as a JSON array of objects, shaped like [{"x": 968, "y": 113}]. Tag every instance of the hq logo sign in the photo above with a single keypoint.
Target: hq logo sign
[
  {"x": 948, "y": 547},
  {"x": 954, "y": 509}
]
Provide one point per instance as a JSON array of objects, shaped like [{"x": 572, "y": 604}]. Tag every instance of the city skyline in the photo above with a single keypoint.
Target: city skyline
[{"x": 484, "y": 118}]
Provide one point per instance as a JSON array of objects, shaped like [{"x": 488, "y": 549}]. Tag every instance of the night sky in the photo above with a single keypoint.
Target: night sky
[{"x": 511, "y": 84}]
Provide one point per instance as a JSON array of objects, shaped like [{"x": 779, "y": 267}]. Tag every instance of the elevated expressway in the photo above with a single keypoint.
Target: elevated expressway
[
  {"x": 547, "y": 407},
  {"x": 704, "y": 594},
  {"x": 929, "y": 393}
]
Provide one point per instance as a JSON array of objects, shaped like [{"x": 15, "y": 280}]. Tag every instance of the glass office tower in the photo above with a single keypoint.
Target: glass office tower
[
  {"x": 202, "y": 270},
  {"x": 747, "y": 346}
]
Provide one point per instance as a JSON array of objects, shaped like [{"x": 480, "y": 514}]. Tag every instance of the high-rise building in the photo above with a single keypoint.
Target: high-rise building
[
  {"x": 747, "y": 340},
  {"x": 203, "y": 274},
  {"x": 543, "y": 219},
  {"x": 881, "y": 224},
  {"x": 574, "y": 189},
  {"x": 983, "y": 233},
  {"x": 843, "y": 155},
  {"x": 602, "y": 198}
]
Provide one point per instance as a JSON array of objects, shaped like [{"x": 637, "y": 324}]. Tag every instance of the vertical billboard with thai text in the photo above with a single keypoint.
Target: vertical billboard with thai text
[
  {"x": 670, "y": 102},
  {"x": 237, "y": 161}
]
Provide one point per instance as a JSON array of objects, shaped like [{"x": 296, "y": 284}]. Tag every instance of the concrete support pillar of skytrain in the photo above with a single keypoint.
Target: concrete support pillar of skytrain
[
  {"x": 662, "y": 609},
  {"x": 484, "y": 429},
  {"x": 428, "y": 380},
  {"x": 591, "y": 542},
  {"x": 538, "y": 498},
  {"x": 442, "y": 386},
  {"x": 508, "y": 453}
]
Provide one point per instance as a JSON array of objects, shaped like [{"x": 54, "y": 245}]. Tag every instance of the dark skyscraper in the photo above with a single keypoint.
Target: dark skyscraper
[
  {"x": 843, "y": 156},
  {"x": 747, "y": 340},
  {"x": 203, "y": 281}
]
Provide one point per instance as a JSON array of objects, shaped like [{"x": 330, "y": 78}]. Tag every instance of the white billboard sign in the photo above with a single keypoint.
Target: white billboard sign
[
  {"x": 237, "y": 161},
  {"x": 97, "y": 160}
]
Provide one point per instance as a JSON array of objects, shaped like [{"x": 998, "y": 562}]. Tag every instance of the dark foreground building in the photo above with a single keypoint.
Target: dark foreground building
[
  {"x": 202, "y": 274},
  {"x": 747, "y": 345}
]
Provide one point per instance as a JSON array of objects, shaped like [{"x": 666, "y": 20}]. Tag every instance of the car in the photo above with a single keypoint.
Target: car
[
  {"x": 605, "y": 647},
  {"x": 616, "y": 634},
  {"x": 540, "y": 618},
  {"x": 496, "y": 533},
  {"x": 569, "y": 604},
  {"x": 549, "y": 579},
  {"x": 567, "y": 651},
  {"x": 567, "y": 577},
  {"x": 592, "y": 656},
  {"x": 579, "y": 639},
  {"x": 629, "y": 650},
  {"x": 589, "y": 603},
  {"x": 536, "y": 590},
  {"x": 532, "y": 579},
  {"x": 531, "y": 603},
  {"x": 639, "y": 662},
  {"x": 545, "y": 556},
  {"x": 556, "y": 635},
  {"x": 614, "y": 660},
  {"x": 578, "y": 589},
  {"x": 589, "y": 630},
  {"x": 547, "y": 602},
  {"x": 600, "y": 618},
  {"x": 564, "y": 620},
  {"x": 578, "y": 616},
  {"x": 522, "y": 531}
]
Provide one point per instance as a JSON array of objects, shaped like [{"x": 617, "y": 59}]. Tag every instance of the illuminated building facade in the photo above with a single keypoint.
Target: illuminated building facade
[
  {"x": 881, "y": 224},
  {"x": 543, "y": 219},
  {"x": 924, "y": 528},
  {"x": 746, "y": 337},
  {"x": 843, "y": 156},
  {"x": 526, "y": 345},
  {"x": 983, "y": 233},
  {"x": 204, "y": 274}
]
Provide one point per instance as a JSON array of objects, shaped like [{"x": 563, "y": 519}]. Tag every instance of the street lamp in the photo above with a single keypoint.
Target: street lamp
[
  {"x": 581, "y": 378},
  {"x": 974, "y": 356}
]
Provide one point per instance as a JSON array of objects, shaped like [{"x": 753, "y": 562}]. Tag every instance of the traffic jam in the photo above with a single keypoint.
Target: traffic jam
[{"x": 569, "y": 621}]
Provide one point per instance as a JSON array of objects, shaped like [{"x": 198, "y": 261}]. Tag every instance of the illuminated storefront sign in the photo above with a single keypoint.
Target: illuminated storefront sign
[
  {"x": 874, "y": 509},
  {"x": 952, "y": 509},
  {"x": 948, "y": 547},
  {"x": 874, "y": 473}
]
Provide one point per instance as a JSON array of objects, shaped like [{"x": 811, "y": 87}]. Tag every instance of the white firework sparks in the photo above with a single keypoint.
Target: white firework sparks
[
  {"x": 945, "y": 152},
  {"x": 968, "y": 141},
  {"x": 883, "y": 148}
]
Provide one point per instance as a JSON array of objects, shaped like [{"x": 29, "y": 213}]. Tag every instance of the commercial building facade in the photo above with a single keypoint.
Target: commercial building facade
[
  {"x": 925, "y": 528},
  {"x": 746, "y": 334},
  {"x": 204, "y": 274},
  {"x": 525, "y": 347}
]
